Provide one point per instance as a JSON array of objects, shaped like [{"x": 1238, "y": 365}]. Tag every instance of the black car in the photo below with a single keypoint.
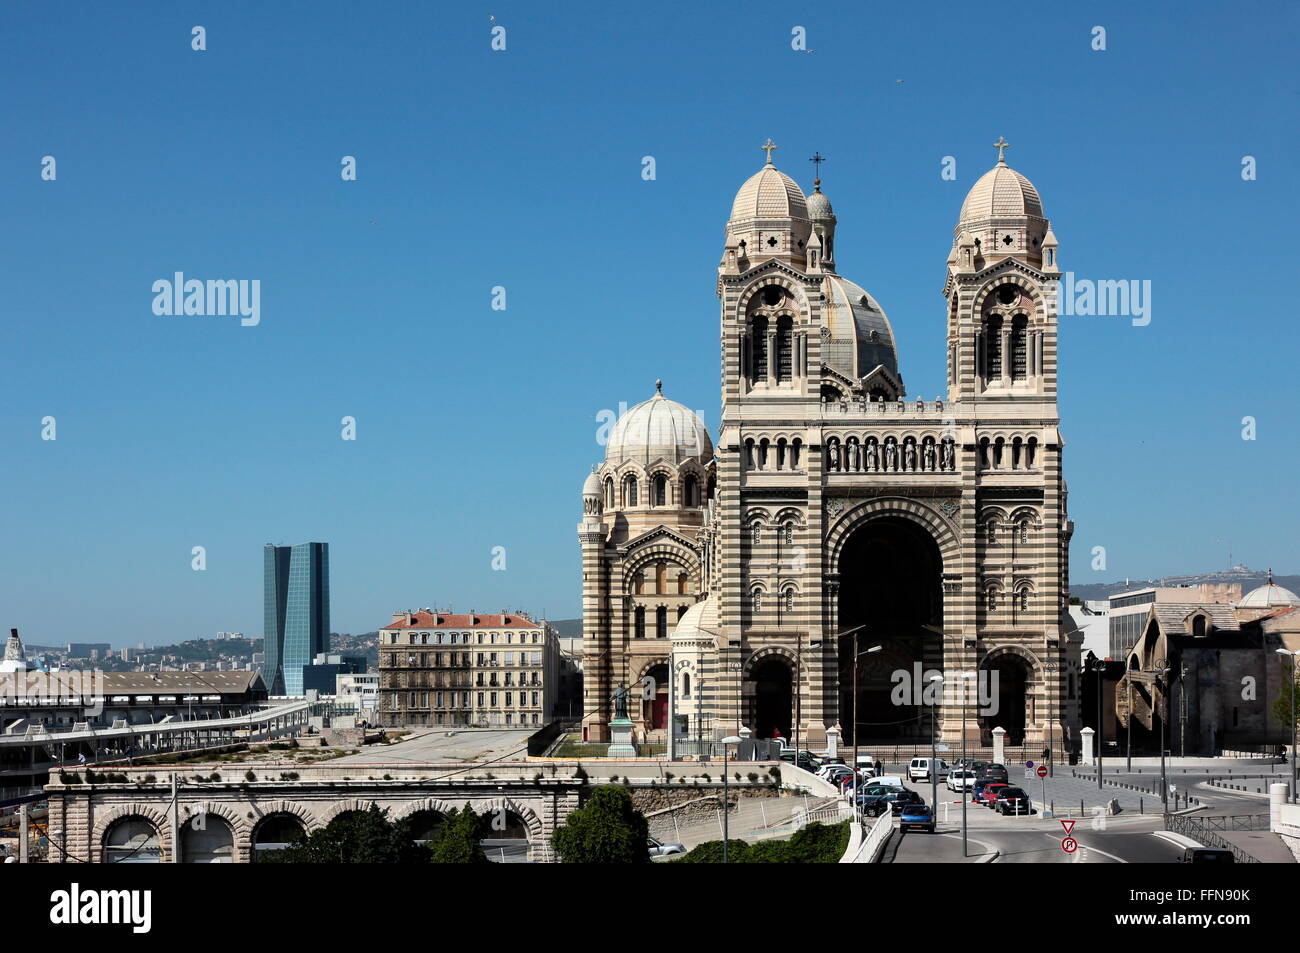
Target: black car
[
  {"x": 1013, "y": 801},
  {"x": 903, "y": 798},
  {"x": 1207, "y": 855},
  {"x": 875, "y": 799}
]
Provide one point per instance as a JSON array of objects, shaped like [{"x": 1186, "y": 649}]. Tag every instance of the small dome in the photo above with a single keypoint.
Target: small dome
[
  {"x": 700, "y": 621},
  {"x": 1269, "y": 596},
  {"x": 858, "y": 329},
  {"x": 769, "y": 194},
  {"x": 1001, "y": 192},
  {"x": 819, "y": 207},
  {"x": 659, "y": 428},
  {"x": 591, "y": 487}
]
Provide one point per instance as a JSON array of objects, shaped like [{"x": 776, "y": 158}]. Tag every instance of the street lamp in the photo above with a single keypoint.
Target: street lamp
[
  {"x": 726, "y": 795},
  {"x": 965, "y": 763},
  {"x": 1292, "y": 654},
  {"x": 934, "y": 755},
  {"x": 1099, "y": 666},
  {"x": 1161, "y": 670}
]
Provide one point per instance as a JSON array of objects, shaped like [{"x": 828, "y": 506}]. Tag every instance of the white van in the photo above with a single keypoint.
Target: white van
[{"x": 921, "y": 769}]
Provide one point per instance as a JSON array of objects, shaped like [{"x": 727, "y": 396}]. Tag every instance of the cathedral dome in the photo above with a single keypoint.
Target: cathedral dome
[
  {"x": 591, "y": 486},
  {"x": 1269, "y": 596},
  {"x": 658, "y": 428},
  {"x": 1001, "y": 192},
  {"x": 769, "y": 194},
  {"x": 861, "y": 337},
  {"x": 819, "y": 207}
]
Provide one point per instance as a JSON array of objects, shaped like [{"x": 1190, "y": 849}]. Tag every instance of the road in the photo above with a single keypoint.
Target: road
[{"x": 464, "y": 744}]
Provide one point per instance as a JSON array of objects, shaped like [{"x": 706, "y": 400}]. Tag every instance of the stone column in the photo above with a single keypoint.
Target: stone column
[
  {"x": 1085, "y": 735},
  {"x": 833, "y": 741},
  {"x": 999, "y": 745}
]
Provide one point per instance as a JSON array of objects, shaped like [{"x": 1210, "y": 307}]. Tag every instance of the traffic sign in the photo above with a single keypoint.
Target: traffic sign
[
  {"x": 1068, "y": 825},
  {"x": 1069, "y": 845},
  {"x": 1029, "y": 764},
  {"x": 1042, "y": 770}
]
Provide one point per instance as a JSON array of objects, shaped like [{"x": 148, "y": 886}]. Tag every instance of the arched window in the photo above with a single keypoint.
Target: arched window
[
  {"x": 1019, "y": 346},
  {"x": 639, "y": 617},
  {"x": 629, "y": 491},
  {"x": 991, "y": 531},
  {"x": 758, "y": 347},
  {"x": 132, "y": 840},
  {"x": 686, "y": 684},
  {"x": 784, "y": 348},
  {"x": 755, "y": 533},
  {"x": 789, "y": 600},
  {"x": 692, "y": 491},
  {"x": 681, "y": 611},
  {"x": 789, "y": 532},
  {"x": 661, "y": 577},
  {"x": 992, "y": 347},
  {"x": 1024, "y": 531},
  {"x": 1024, "y": 599},
  {"x": 638, "y": 583},
  {"x": 683, "y": 582},
  {"x": 609, "y": 493},
  {"x": 661, "y": 490},
  {"x": 991, "y": 599},
  {"x": 757, "y": 600},
  {"x": 661, "y": 622}
]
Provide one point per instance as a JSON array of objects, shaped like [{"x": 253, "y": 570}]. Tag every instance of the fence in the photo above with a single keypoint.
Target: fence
[
  {"x": 1201, "y": 828},
  {"x": 874, "y": 842}
]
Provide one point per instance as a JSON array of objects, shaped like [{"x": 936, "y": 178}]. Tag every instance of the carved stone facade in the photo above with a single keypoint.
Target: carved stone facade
[{"x": 936, "y": 529}]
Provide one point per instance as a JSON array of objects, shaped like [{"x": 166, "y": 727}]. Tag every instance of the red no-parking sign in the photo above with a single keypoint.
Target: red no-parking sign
[
  {"x": 1069, "y": 845},
  {"x": 1042, "y": 770}
]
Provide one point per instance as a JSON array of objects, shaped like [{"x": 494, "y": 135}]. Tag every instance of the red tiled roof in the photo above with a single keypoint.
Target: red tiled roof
[{"x": 446, "y": 620}]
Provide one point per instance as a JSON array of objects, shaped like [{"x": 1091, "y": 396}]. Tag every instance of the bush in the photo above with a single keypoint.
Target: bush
[
  {"x": 668, "y": 776},
  {"x": 710, "y": 852},
  {"x": 250, "y": 776},
  {"x": 753, "y": 777},
  {"x": 69, "y": 777},
  {"x": 814, "y": 844},
  {"x": 580, "y": 774}
]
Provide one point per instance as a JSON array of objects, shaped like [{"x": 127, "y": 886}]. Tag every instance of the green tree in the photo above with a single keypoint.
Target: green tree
[
  {"x": 355, "y": 837},
  {"x": 459, "y": 840},
  {"x": 1281, "y": 707},
  {"x": 609, "y": 830}
]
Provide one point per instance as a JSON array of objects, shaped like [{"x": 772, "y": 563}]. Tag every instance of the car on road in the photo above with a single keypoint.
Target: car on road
[
  {"x": 835, "y": 773},
  {"x": 961, "y": 779},
  {"x": 916, "y": 817},
  {"x": 988, "y": 795},
  {"x": 903, "y": 798},
  {"x": 1207, "y": 855},
  {"x": 995, "y": 772},
  {"x": 875, "y": 799},
  {"x": 921, "y": 769},
  {"x": 660, "y": 848},
  {"x": 1012, "y": 801}
]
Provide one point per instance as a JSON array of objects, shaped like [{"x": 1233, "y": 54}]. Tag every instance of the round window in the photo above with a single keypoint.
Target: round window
[{"x": 772, "y": 296}]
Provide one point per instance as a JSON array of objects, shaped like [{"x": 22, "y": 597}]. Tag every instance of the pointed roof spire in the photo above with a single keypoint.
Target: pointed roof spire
[
  {"x": 769, "y": 147},
  {"x": 1002, "y": 145}
]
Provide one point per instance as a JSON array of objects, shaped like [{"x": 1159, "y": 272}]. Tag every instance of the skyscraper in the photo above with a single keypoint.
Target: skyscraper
[{"x": 297, "y": 612}]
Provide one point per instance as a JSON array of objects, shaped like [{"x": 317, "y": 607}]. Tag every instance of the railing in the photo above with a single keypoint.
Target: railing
[
  {"x": 916, "y": 407},
  {"x": 874, "y": 842},
  {"x": 1198, "y": 830}
]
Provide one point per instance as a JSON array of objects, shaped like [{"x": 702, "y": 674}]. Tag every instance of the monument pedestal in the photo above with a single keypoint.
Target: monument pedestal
[{"x": 620, "y": 733}]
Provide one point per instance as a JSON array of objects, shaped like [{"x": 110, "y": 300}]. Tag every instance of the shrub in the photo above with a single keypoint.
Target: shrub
[
  {"x": 668, "y": 776},
  {"x": 608, "y": 830},
  {"x": 753, "y": 777},
  {"x": 69, "y": 777},
  {"x": 250, "y": 776},
  {"x": 580, "y": 774},
  {"x": 710, "y": 852}
]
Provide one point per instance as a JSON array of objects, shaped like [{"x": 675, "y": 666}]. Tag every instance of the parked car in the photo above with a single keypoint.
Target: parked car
[
  {"x": 659, "y": 848},
  {"x": 904, "y": 798},
  {"x": 916, "y": 817},
  {"x": 995, "y": 772},
  {"x": 921, "y": 769},
  {"x": 1012, "y": 801},
  {"x": 1207, "y": 855},
  {"x": 875, "y": 799},
  {"x": 834, "y": 773},
  {"x": 889, "y": 781},
  {"x": 989, "y": 794},
  {"x": 961, "y": 779}
]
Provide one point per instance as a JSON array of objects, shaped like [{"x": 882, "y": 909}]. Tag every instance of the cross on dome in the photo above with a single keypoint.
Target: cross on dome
[
  {"x": 768, "y": 147},
  {"x": 1001, "y": 145}
]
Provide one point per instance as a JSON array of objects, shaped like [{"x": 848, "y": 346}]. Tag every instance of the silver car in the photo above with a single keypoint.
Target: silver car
[{"x": 659, "y": 849}]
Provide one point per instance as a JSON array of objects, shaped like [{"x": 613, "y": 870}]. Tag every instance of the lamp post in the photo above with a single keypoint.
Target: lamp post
[
  {"x": 1161, "y": 670},
  {"x": 726, "y": 793},
  {"x": 1099, "y": 666},
  {"x": 853, "y": 706},
  {"x": 1128, "y": 726},
  {"x": 934, "y": 753},
  {"x": 1292, "y": 654},
  {"x": 965, "y": 704},
  {"x": 1182, "y": 712}
]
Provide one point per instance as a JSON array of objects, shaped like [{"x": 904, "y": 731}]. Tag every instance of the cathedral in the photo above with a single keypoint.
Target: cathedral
[{"x": 845, "y": 556}]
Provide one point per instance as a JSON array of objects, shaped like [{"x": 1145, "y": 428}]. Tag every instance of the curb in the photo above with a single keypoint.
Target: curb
[{"x": 991, "y": 857}]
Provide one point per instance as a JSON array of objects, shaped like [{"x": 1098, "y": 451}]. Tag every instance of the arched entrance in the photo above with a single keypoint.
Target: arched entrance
[
  {"x": 1010, "y": 687},
  {"x": 891, "y": 582},
  {"x": 771, "y": 713},
  {"x": 654, "y": 710},
  {"x": 213, "y": 843},
  {"x": 425, "y": 825},
  {"x": 507, "y": 842},
  {"x": 276, "y": 832},
  {"x": 132, "y": 840}
]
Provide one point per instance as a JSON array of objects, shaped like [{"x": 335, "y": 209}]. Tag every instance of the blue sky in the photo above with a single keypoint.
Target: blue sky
[{"x": 475, "y": 428}]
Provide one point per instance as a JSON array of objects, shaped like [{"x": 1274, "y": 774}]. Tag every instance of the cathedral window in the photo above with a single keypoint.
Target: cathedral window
[
  {"x": 661, "y": 577},
  {"x": 756, "y": 598},
  {"x": 993, "y": 347},
  {"x": 609, "y": 493},
  {"x": 755, "y": 533},
  {"x": 686, "y": 684},
  {"x": 789, "y": 600},
  {"x": 692, "y": 491},
  {"x": 991, "y": 599},
  {"x": 639, "y": 622},
  {"x": 784, "y": 349},
  {"x": 1024, "y": 531},
  {"x": 991, "y": 532},
  {"x": 638, "y": 584},
  {"x": 1019, "y": 346},
  {"x": 661, "y": 490},
  {"x": 661, "y": 622},
  {"x": 1024, "y": 599},
  {"x": 629, "y": 491},
  {"x": 682, "y": 583},
  {"x": 758, "y": 345},
  {"x": 681, "y": 611}
]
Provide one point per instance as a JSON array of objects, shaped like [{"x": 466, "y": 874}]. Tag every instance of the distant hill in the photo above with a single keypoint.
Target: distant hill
[
  {"x": 567, "y": 628},
  {"x": 1249, "y": 579}
]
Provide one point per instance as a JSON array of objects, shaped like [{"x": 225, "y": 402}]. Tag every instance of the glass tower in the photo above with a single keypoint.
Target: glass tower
[{"x": 297, "y": 612}]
